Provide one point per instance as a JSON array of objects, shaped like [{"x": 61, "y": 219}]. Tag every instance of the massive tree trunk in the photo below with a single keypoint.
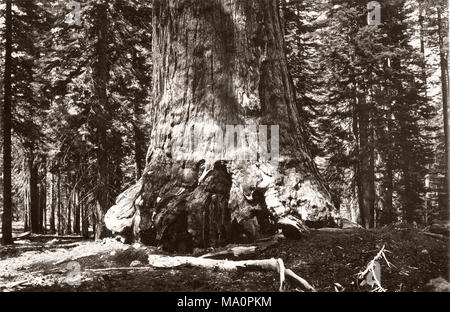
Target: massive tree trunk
[
  {"x": 6, "y": 123},
  {"x": 219, "y": 63}
]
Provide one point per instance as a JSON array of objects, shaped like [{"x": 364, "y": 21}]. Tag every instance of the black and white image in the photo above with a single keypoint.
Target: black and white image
[{"x": 224, "y": 146}]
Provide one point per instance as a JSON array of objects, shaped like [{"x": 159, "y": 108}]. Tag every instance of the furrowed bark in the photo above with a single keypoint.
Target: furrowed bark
[{"x": 219, "y": 63}]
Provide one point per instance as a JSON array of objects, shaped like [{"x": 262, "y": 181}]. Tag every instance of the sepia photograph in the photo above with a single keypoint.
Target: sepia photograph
[{"x": 224, "y": 151}]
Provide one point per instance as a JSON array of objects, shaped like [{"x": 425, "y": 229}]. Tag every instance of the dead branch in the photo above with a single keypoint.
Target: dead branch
[
  {"x": 302, "y": 281},
  {"x": 282, "y": 271},
  {"x": 277, "y": 265},
  {"x": 371, "y": 268},
  {"x": 434, "y": 235}
]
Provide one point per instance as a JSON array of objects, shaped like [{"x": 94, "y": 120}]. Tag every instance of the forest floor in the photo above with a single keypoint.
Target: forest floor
[{"x": 329, "y": 260}]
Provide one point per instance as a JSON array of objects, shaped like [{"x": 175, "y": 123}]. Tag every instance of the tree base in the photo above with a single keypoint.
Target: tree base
[{"x": 182, "y": 205}]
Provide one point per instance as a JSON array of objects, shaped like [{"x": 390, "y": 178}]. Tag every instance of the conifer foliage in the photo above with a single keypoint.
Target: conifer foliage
[{"x": 76, "y": 81}]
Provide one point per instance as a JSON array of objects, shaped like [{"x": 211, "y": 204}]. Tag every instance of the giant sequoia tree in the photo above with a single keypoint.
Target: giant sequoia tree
[{"x": 219, "y": 63}]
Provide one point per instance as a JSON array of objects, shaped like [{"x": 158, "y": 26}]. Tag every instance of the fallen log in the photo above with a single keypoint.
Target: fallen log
[
  {"x": 54, "y": 236},
  {"x": 440, "y": 227},
  {"x": 120, "y": 269},
  {"x": 235, "y": 252},
  {"x": 21, "y": 235},
  {"x": 338, "y": 230},
  {"x": 62, "y": 246},
  {"x": 25, "y": 248},
  {"x": 277, "y": 265},
  {"x": 74, "y": 258},
  {"x": 240, "y": 251},
  {"x": 434, "y": 235},
  {"x": 13, "y": 284}
]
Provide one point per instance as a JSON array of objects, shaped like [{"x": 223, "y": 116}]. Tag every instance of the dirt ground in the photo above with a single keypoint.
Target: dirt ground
[{"x": 329, "y": 260}]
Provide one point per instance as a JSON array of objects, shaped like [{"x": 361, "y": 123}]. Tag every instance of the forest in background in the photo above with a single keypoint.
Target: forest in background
[{"x": 373, "y": 99}]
